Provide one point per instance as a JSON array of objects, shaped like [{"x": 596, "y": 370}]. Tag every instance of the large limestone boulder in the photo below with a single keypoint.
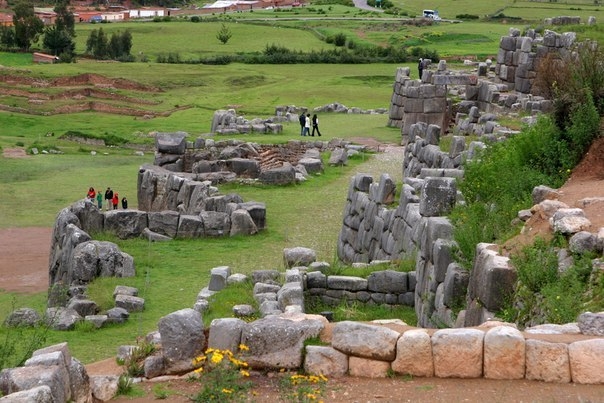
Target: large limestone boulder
[
  {"x": 171, "y": 143},
  {"x": 414, "y": 354},
  {"x": 59, "y": 318},
  {"x": 547, "y": 362},
  {"x": 225, "y": 334},
  {"x": 338, "y": 157},
  {"x": 587, "y": 361},
  {"x": 190, "y": 226},
  {"x": 91, "y": 218},
  {"x": 591, "y": 324},
  {"x": 104, "y": 387},
  {"x": 26, "y": 317},
  {"x": 324, "y": 360},
  {"x": 94, "y": 259},
  {"x": 298, "y": 256},
  {"x": 364, "y": 340},
  {"x": 568, "y": 221},
  {"x": 283, "y": 175},
  {"x": 126, "y": 223},
  {"x": 387, "y": 281},
  {"x": 55, "y": 377},
  {"x": 491, "y": 279},
  {"x": 182, "y": 338},
  {"x": 38, "y": 394},
  {"x": 367, "y": 368},
  {"x": 504, "y": 353},
  {"x": 215, "y": 223},
  {"x": 438, "y": 196},
  {"x": 164, "y": 222},
  {"x": 242, "y": 223},
  {"x": 65, "y": 239},
  {"x": 218, "y": 277},
  {"x": 458, "y": 353},
  {"x": 312, "y": 165},
  {"x": 278, "y": 342},
  {"x": 291, "y": 294},
  {"x": 257, "y": 211}
]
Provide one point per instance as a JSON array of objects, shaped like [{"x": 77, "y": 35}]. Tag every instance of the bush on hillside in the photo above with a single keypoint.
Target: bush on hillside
[{"x": 499, "y": 184}]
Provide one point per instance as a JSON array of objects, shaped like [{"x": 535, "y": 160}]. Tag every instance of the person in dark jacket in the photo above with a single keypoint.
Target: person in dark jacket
[
  {"x": 108, "y": 198},
  {"x": 420, "y": 68},
  {"x": 302, "y": 120},
  {"x": 315, "y": 125},
  {"x": 124, "y": 203}
]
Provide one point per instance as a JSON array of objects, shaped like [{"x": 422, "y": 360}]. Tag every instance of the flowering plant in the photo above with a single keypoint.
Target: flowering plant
[
  {"x": 221, "y": 374},
  {"x": 303, "y": 388}
]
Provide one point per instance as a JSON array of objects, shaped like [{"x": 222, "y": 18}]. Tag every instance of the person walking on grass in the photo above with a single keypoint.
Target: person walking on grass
[
  {"x": 124, "y": 203},
  {"x": 115, "y": 201},
  {"x": 99, "y": 200},
  {"x": 302, "y": 120},
  {"x": 108, "y": 198},
  {"x": 91, "y": 195},
  {"x": 307, "y": 125},
  {"x": 315, "y": 125}
]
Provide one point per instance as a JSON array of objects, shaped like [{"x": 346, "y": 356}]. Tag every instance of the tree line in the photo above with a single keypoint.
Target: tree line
[{"x": 58, "y": 39}]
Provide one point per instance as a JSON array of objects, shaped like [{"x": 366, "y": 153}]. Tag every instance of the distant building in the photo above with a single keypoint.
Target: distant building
[
  {"x": 6, "y": 20},
  {"x": 47, "y": 15},
  {"x": 229, "y": 5},
  {"x": 147, "y": 12}
]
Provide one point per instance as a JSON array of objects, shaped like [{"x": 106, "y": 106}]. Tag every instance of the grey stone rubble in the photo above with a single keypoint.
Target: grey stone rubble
[
  {"x": 227, "y": 122},
  {"x": 208, "y": 160}
]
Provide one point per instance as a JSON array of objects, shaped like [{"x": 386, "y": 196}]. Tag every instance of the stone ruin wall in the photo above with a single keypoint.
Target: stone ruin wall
[
  {"x": 519, "y": 57},
  {"x": 505, "y": 86},
  {"x": 419, "y": 229}
]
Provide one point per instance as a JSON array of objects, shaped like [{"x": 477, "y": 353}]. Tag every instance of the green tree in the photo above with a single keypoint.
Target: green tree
[
  {"x": 65, "y": 20},
  {"x": 224, "y": 34},
  {"x": 58, "y": 42},
  {"x": 97, "y": 44},
  {"x": 7, "y": 37},
  {"x": 28, "y": 27}
]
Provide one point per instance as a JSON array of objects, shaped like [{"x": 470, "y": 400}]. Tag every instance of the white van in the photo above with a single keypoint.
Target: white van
[{"x": 433, "y": 14}]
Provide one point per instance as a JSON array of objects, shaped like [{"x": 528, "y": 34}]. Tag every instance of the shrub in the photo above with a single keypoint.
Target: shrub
[
  {"x": 466, "y": 16},
  {"x": 195, "y": 18},
  {"x": 339, "y": 39}
]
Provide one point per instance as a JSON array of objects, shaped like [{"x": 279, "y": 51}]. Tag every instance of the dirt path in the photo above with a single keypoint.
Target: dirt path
[{"x": 24, "y": 259}]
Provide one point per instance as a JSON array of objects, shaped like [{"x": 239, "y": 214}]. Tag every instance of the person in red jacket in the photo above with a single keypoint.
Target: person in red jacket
[
  {"x": 115, "y": 201},
  {"x": 91, "y": 195}
]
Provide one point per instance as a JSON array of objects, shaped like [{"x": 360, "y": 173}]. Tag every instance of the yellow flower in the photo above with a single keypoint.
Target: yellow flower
[
  {"x": 227, "y": 391},
  {"x": 243, "y": 372},
  {"x": 199, "y": 370},
  {"x": 243, "y": 347},
  {"x": 217, "y": 357}
]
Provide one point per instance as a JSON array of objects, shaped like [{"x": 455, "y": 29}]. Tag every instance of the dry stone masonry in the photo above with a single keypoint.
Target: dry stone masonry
[
  {"x": 519, "y": 56},
  {"x": 206, "y": 159}
]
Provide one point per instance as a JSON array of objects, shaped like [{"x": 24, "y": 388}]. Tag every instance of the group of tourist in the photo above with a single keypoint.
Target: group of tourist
[
  {"x": 306, "y": 121},
  {"x": 111, "y": 199}
]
